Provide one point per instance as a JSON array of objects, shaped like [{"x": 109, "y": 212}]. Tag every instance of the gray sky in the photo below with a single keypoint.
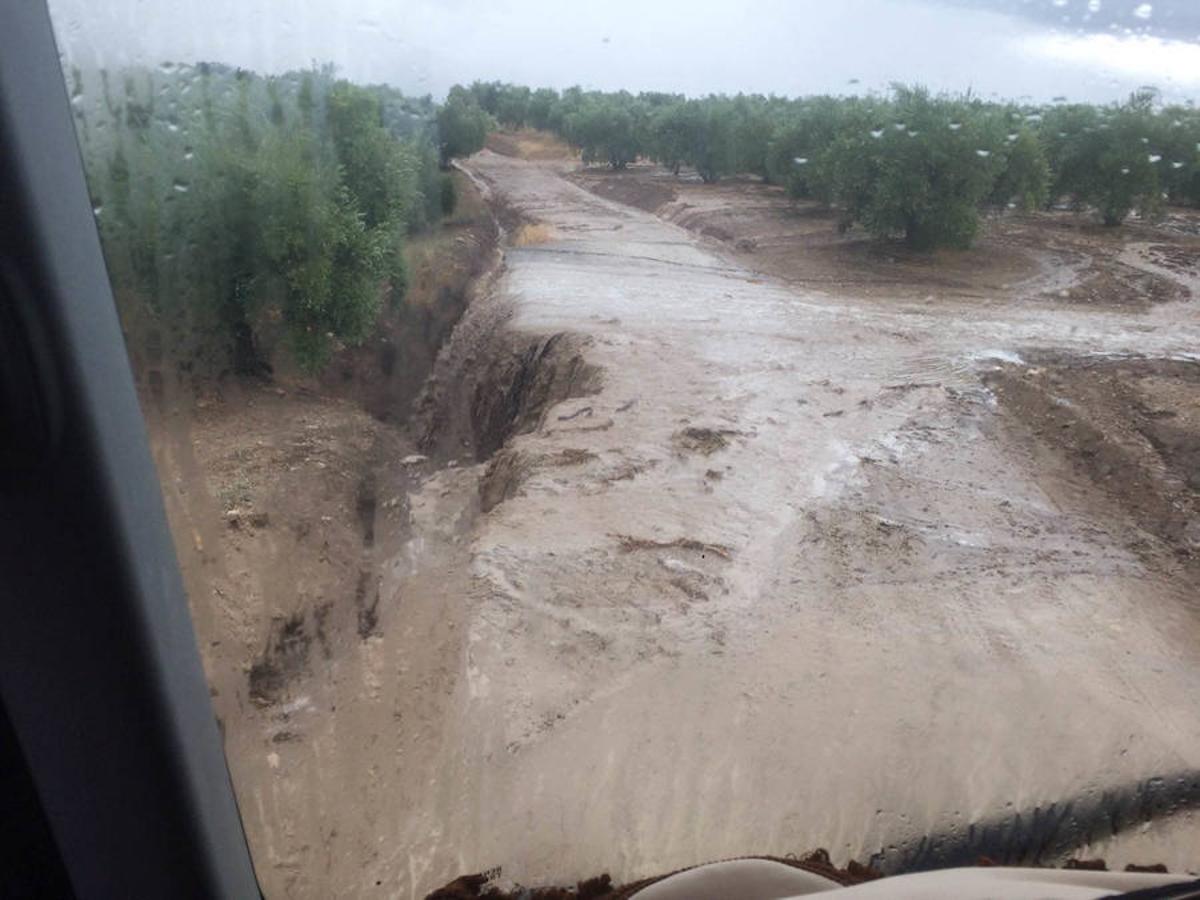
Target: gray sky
[{"x": 1081, "y": 49}]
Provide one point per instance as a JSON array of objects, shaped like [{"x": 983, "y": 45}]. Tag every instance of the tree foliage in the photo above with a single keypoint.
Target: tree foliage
[
  {"x": 909, "y": 164},
  {"x": 605, "y": 130},
  {"x": 463, "y": 125},
  {"x": 1107, "y": 157},
  {"x": 236, "y": 210}
]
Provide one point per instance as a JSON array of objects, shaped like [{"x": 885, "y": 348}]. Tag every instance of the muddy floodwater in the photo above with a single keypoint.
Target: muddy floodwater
[{"x": 694, "y": 559}]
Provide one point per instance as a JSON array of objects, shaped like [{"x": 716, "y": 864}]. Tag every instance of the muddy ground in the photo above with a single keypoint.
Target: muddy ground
[
  {"x": 1127, "y": 425},
  {"x": 715, "y": 532}
]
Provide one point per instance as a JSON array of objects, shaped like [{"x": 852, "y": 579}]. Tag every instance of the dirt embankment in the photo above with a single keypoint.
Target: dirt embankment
[
  {"x": 1128, "y": 427},
  {"x": 275, "y": 487},
  {"x": 287, "y": 498},
  {"x": 1049, "y": 257},
  {"x": 387, "y": 372},
  {"x": 530, "y": 144},
  {"x": 491, "y": 381},
  {"x": 277, "y": 498}
]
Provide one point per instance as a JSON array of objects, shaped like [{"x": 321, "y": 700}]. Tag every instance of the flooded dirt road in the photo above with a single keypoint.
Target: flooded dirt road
[{"x": 753, "y": 568}]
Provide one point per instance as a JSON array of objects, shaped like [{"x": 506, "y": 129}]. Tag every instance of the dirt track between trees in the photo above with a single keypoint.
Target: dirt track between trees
[{"x": 734, "y": 563}]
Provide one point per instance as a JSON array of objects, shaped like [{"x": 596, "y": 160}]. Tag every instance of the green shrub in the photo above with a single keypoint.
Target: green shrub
[{"x": 449, "y": 195}]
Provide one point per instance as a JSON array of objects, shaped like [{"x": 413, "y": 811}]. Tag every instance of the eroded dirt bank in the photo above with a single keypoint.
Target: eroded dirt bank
[{"x": 328, "y": 632}]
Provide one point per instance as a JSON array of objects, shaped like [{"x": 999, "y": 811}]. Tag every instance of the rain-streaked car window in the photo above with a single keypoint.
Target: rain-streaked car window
[{"x": 610, "y": 438}]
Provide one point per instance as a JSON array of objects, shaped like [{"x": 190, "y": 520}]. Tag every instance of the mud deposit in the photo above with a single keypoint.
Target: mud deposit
[
  {"x": 717, "y": 533},
  {"x": 807, "y": 567}
]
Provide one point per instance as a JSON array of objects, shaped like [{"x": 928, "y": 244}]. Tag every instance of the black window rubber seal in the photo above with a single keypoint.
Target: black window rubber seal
[{"x": 109, "y": 733}]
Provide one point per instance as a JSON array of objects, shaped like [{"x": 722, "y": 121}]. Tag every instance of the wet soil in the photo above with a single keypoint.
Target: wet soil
[
  {"x": 1129, "y": 427},
  {"x": 717, "y": 532},
  {"x": 806, "y": 492}
]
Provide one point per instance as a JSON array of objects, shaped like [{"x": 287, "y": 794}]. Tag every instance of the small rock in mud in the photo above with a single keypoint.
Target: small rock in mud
[
  {"x": 705, "y": 441},
  {"x": 571, "y": 456}
]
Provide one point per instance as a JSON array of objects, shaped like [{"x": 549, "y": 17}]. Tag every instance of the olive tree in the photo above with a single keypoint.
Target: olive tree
[{"x": 462, "y": 125}]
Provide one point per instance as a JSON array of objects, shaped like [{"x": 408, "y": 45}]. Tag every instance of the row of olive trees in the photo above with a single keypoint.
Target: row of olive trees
[
  {"x": 238, "y": 210},
  {"x": 909, "y": 163}
]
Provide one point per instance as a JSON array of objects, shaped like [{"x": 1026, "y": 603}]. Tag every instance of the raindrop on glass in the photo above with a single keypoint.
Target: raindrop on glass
[
  {"x": 983, "y": 154},
  {"x": 1144, "y": 11}
]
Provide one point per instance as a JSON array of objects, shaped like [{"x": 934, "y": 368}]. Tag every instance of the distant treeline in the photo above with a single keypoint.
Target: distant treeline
[
  {"x": 238, "y": 211},
  {"x": 909, "y": 164}
]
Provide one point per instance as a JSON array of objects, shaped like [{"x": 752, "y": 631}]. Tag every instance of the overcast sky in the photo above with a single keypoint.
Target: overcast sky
[{"x": 1081, "y": 49}]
